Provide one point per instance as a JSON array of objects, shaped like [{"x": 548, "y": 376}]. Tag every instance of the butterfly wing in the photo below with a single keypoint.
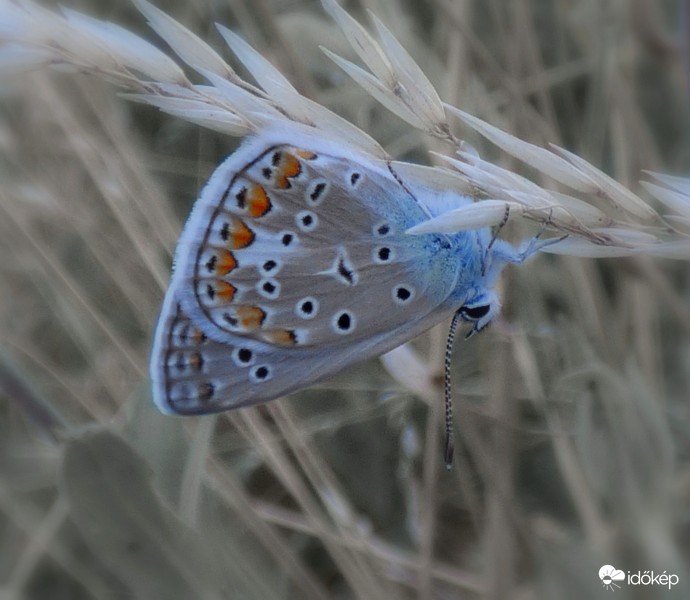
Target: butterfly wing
[
  {"x": 293, "y": 264},
  {"x": 194, "y": 374}
]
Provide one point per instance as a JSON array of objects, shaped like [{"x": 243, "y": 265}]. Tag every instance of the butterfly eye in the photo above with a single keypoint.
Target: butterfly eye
[{"x": 474, "y": 313}]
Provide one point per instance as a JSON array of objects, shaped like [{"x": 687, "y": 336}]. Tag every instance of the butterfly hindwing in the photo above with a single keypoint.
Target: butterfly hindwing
[{"x": 194, "y": 374}]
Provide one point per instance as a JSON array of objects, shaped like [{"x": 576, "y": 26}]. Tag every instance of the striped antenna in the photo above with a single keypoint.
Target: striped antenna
[{"x": 447, "y": 392}]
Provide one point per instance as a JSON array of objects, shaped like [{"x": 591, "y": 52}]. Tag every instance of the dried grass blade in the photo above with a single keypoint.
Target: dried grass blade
[
  {"x": 362, "y": 43},
  {"x": 423, "y": 98},
  {"x": 608, "y": 188},
  {"x": 675, "y": 200},
  {"x": 485, "y": 213},
  {"x": 266, "y": 75},
  {"x": 131, "y": 50},
  {"x": 377, "y": 89},
  {"x": 541, "y": 159},
  {"x": 187, "y": 45}
]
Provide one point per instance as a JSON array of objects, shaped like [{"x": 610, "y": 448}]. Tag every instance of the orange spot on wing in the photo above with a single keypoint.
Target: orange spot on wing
[
  {"x": 198, "y": 337},
  {"x": 224, "y": 291},
  {"x": 305, "y": 154},
  {"x": 281, "y": 337},
  {"x": 257, "y": 201},
  {"x": 250, "y": 317},
  {"x": 205, "y": 391},
  {"x": 236, "y": 234},
  {"x": 288, "y": 166},
  {"x": 196, "y": 361},
  {"x": 225, "y": 262}
]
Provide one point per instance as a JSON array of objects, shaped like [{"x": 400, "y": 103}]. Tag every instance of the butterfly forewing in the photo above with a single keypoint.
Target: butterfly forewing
[{"x": 300, "y": 245}]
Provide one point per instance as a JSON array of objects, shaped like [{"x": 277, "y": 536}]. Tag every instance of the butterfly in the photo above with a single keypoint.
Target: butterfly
[{"x": 295, "y": 263}]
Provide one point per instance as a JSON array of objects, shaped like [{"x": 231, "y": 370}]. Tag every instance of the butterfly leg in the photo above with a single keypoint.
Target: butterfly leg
[
  {"x": 499, "y": 227},
  {"x": 534, "y": 245}
]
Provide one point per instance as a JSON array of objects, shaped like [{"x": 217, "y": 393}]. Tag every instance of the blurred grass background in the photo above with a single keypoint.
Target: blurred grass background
[{"x": 572, "y": 412}]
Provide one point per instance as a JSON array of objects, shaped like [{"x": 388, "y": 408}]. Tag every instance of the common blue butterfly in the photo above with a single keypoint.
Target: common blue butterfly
[{"x": 295, "y": 263}]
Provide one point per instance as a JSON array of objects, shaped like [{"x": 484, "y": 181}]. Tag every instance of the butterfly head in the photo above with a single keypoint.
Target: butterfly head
[
  {"x": 480, "y": 310},
  {"x": 479, "y": 302}
]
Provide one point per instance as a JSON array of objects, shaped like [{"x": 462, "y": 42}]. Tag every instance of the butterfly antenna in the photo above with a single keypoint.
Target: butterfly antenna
[{"x": 447, "y": 392}]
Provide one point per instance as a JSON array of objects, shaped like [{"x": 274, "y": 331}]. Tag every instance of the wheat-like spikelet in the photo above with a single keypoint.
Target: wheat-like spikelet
[{"x": 606, "y": 219}]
